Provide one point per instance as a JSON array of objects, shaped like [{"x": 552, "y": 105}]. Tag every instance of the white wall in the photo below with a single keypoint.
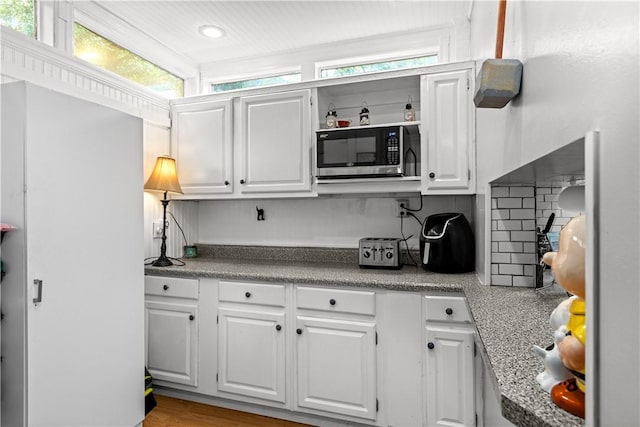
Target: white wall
[
  {"x": 323, "y": 222},
  {"x": 581, "y": 72}
]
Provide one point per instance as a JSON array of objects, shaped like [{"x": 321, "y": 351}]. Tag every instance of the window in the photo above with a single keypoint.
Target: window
[
  {"x": 105, "y": 54},
  {"x": 372, "y": 67},
  {"x": 19, "y": 15},
  {"x": 256, "y": 82}
]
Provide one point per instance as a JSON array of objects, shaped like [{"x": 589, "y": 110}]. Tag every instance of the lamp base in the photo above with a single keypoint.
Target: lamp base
[{"x": 162, "y": 261}]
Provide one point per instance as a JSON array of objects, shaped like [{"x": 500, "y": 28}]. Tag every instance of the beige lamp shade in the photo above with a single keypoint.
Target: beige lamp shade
[{"x": 164, "y": 176}]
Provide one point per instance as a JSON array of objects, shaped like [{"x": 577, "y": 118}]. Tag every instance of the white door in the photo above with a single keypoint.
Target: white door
[
  {"x": 172, "y": 342},
  {"x": 275, "y": 142},
  {"x": 450, "y": 387},
  {"x": 336, "y": 361},
  {"x": 84, "y": 241},
  {"x": 445, "y": 134},
  {"x": 201, "y": 143},
  {"x": 251, "y": 358}
]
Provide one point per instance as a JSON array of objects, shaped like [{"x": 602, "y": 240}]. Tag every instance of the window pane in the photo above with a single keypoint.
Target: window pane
[
  {"x": 18, "y": 14},
  {"x": 378, "y": 66},
  {"x": 258, "y": 82},
  {"x": 99, "y": 51}
]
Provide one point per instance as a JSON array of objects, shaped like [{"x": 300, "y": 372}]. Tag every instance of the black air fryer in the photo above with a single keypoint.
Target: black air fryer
[{"x": 446, "y": 244}]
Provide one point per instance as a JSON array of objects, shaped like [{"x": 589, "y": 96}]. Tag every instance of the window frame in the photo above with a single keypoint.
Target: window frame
[
  {"x": 207, "y": 84},
  {"x": 372, "y": 59},
  {"x": 132, "y": 52}
]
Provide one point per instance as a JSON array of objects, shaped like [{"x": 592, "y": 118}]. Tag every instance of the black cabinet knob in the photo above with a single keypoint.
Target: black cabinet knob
[
  {"x": 332, "y": 301},
  {"x": 165, "y": 287},
  {"x": 247, "y": 294},
  {"x": 299, "y": 331},
  {"x": 226, "y": 182},
  {"x": 431, "y": 345},
  {"x": 242, "y": 181},
  {"x": 278, "y": 327},
  {"x": 432, "y": 175},
  {"x": 191, "y": 317},
  {"x": 449, "y": 311}
]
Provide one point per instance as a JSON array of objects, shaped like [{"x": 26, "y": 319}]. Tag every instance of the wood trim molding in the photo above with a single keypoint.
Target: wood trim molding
[{"x": 23, "y": 58}]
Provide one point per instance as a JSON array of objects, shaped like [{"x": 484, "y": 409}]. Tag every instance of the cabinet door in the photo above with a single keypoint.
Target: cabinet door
[
  {"x": 171, "y": 342},
  {"x": 251, "y": 353},
  {"x": 447, "y": 153},
  {"x": 336, "y": 362},
  {"x": 449, "y": 380},
  {"x": 275, "y": 142},
  {"x": 201, "y": 143}
]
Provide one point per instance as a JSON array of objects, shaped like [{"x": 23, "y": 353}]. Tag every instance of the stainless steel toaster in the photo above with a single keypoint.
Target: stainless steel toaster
[{"x": 380, "y": 252}]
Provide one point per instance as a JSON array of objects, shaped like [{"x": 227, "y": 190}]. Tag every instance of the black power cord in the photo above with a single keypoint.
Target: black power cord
[{"x": 179, "y": 261}]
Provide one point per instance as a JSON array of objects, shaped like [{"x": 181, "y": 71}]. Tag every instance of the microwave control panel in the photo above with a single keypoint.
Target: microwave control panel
[{"x": 393, "y": 148}]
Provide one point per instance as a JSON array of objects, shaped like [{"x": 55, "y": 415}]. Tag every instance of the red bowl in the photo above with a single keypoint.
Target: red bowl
[{"x": 343, "y": 123}]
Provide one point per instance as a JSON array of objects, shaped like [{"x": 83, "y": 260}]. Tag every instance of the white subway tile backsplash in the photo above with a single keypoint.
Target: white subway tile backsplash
[
  {"x": 522, "y": 213},
  {"x": 494, "y": 204},
  {"x": 498, "y": 258},
  {"x": 509, "y": 225},
  {"x": 529, "y": 247},
  {"x": 529, "y": 203},
  {"x": 500, "y": 236},
  {"x": 494, "y": 246},
  {"x": 543, "y": 205},
  {"x": 543, "y": 190},
  {"x": 500, "y": 213},
  {"x": 529, "y": 224},
  {"x": 512, "y": 269},
  {"x": 523, "y": 258},
  {"x": 521, "y": 191},
  {"x": 510, "y": 247},
  {"x": 523, "y": 236},
  {"x": 551, "y": 197},
  {"x": 509, "y": 203},
  {"x": 499, "y": 192},
  {"x": 523, "y": 281},
  {"x": 529, "y": 270},
  {"x": 501, "y": 280}
]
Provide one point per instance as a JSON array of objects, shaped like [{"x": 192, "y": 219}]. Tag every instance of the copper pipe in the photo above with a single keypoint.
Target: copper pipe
[{"x": 502, "y": 7}]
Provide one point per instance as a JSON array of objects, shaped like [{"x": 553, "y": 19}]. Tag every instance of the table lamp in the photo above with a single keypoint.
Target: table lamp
[{"x": 164, "y": 178}]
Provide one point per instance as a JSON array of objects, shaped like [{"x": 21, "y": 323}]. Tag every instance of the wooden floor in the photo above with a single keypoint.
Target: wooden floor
[{"x": 172, "y": 412}]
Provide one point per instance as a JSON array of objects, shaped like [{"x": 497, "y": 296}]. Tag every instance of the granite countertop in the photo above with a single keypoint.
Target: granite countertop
[{"x": 509, "y": 320}]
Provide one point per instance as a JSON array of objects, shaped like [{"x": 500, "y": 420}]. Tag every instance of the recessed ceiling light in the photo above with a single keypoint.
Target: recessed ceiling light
[{"x": 211, "y": 31}]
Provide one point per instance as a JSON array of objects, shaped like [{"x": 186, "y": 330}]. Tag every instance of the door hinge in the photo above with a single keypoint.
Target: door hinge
[
  {"x": 217, "y": 319},
  {"x": 475, "y": 349},
  {"x": 377, "y": 405},
  {"x": 216, "y": 377},
  {"x": 311, "y": 100},
  {"x": 476, "y": 420},
  {"x": 469, "y": 174},
  {"x": 376, "y": 338},
  {"x": 468, "y": 86}
]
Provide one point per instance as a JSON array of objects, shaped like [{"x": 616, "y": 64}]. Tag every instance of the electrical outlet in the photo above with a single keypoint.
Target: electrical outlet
[
  {"x": 401, "y": 204},
  {"x": 157, "y": 229}
]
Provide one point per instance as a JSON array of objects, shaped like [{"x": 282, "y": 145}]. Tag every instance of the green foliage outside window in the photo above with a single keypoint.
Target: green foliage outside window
[
  {"x": 103, "y": 53},
  {"x": 19, "y": 15},
  {"x": 378, "y": 66}
]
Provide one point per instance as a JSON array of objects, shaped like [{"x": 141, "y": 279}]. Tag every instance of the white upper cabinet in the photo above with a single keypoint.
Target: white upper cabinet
[
  {"x": 275, "y": 142},
  {"x": 201, "y": 143},
  {"x": 448, "y": 151}
]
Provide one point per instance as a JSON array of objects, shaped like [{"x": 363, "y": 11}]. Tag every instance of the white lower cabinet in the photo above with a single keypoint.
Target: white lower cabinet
[
  {"x": 336, "y": 366},
  {"x": 251, "y": 356},
  {"x": 336, "y": 351},
  {"x": 319, "y": 355},
  {"x": 450, "y": 380},
  {"x": 252, "y": 344},
  {"x": 171, "y": 329}
]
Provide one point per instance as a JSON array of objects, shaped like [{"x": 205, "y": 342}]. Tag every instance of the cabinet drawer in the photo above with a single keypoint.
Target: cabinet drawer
[
  {"x": 252, "y": 293},
  {"x": 338, "y": 300},
  {"x": 451, "y": 309},
  {"x": 171, "y": 287}
]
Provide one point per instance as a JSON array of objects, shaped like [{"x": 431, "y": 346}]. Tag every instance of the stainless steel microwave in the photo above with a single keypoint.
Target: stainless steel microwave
[{"x": 360, "y": 152}]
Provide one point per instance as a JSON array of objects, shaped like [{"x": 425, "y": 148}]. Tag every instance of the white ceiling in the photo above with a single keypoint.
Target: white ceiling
[{"x": 262, "y": 28}]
